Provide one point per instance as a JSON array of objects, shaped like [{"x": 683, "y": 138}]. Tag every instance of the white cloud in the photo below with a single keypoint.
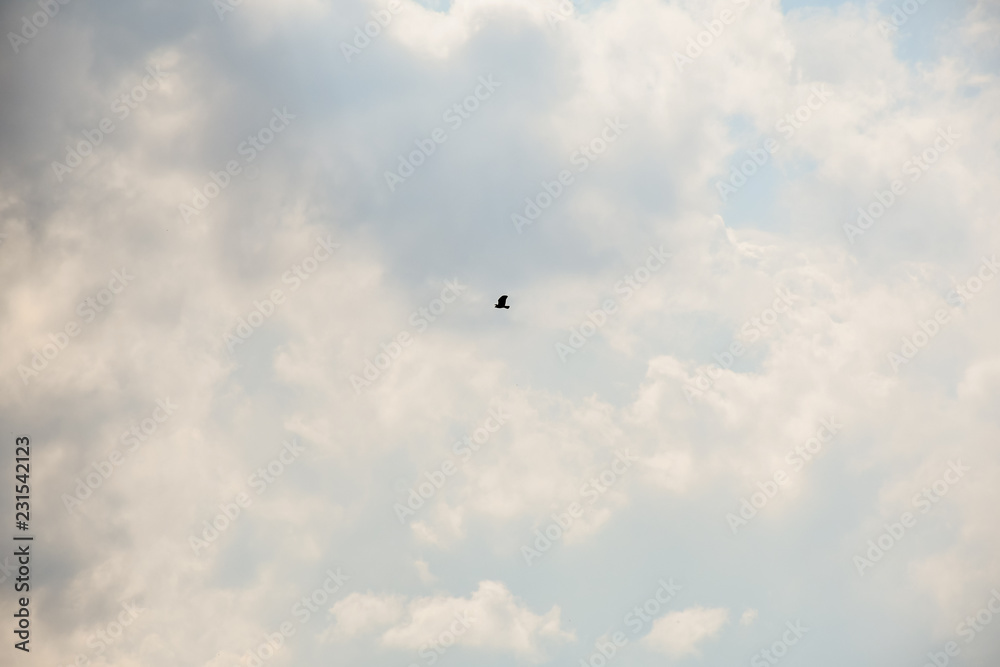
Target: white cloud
[
  {"x": 361, "y": 613},
  {"x": 491, "y": 618},
  {"x": 164, "y": 335},
  {"x": 680, "y": 632}
]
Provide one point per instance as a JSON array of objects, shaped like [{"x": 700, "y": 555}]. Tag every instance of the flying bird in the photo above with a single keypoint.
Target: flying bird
[{"x": 502, "y": 302}]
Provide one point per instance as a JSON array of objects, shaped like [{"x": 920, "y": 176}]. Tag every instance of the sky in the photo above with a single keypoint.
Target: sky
[{"x": 741, "y": 408}]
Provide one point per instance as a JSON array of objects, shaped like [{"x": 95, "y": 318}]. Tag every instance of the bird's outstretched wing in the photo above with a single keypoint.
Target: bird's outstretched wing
[{"x": 502, "y": 301}]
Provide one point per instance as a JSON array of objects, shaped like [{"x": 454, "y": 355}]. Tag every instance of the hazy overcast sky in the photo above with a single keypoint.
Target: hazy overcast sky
[{"x": 742, "y": 409}]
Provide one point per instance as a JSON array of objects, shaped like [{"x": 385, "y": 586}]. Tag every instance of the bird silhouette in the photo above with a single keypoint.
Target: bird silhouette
[{"x": 502, "y": 302}]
